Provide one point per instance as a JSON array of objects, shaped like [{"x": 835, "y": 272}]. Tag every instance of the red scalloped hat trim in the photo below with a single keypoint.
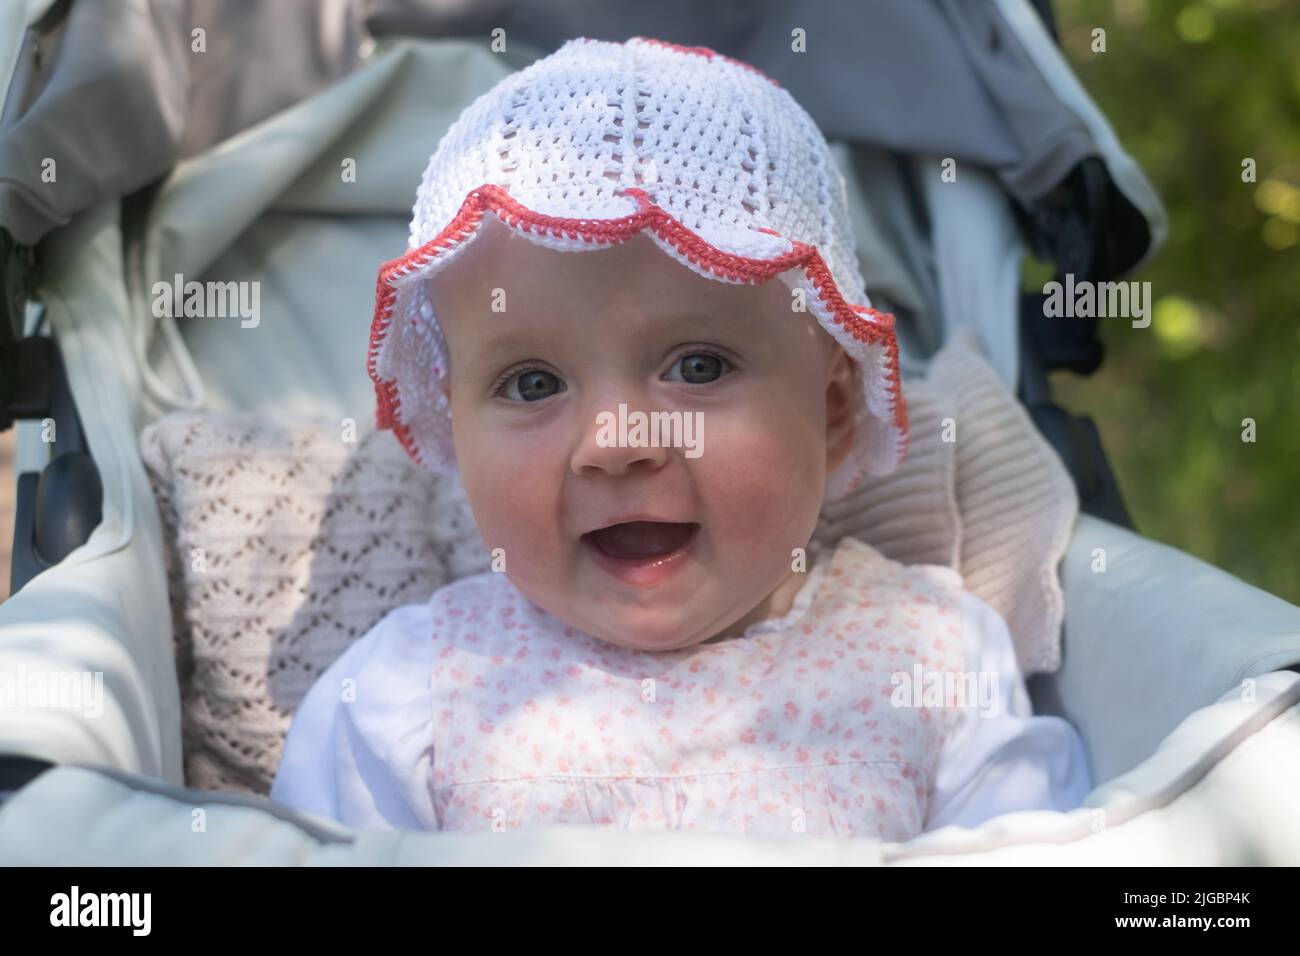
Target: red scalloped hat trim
[
  {"x": 648, "y": 216},
  {"x": 707, "y": 53}
]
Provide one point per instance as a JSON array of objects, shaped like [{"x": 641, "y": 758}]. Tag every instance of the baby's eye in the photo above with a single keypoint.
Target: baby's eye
[
  {"x": 531, "y": 385},
  {"x": 700, "y": 368}
]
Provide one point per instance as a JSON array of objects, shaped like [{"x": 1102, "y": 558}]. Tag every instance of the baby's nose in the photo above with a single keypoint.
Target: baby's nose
[{"x": 616, "y": 437}]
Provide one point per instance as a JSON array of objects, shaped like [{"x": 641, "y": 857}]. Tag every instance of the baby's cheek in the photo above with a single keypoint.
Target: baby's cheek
[
  {"x": 761, "y": 483},
  {"x": 514, "y": 509}
]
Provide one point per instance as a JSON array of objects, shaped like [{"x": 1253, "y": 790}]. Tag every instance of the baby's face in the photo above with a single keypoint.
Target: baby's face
[{"x": 545, "y": 346}]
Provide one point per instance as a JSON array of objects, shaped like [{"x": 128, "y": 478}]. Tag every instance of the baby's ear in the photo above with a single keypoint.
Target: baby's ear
[{"x": 841, "y": 403}]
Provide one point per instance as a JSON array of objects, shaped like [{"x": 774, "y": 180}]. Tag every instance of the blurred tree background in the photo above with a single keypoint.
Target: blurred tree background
[{"x": 1193, "y": 90}]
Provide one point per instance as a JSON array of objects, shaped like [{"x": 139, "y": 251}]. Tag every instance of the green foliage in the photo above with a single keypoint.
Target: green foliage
[{"x": 1194, "y": 90}]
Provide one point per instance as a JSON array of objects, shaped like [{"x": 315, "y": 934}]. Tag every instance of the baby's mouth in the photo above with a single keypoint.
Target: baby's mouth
[{"x": 642, "y": 540}]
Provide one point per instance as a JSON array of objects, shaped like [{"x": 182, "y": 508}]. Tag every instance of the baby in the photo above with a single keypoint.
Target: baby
[{"x": 661, "y": 643}]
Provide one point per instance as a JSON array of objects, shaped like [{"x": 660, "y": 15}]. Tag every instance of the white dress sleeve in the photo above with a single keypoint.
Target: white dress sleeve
[
  {"x": 1004, "y": 758},
  {"x": 360, "y": 748}
]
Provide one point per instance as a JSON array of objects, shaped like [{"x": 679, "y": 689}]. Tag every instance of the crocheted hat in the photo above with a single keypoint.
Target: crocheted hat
[{"x": 600, "y": 141}]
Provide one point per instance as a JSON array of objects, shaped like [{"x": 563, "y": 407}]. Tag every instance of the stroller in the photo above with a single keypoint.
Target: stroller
[{"x": 1183, "y": 681}]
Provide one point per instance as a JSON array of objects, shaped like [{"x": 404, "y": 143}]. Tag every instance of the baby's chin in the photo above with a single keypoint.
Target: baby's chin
[
  {"x": 650, "y": 629},
  {"x": 644, "y": 639},
  {"x": 690, "y": 610}
]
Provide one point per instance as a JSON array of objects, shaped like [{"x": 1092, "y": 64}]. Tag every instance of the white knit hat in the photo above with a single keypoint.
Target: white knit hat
[{"x": 600, "y": 141}]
